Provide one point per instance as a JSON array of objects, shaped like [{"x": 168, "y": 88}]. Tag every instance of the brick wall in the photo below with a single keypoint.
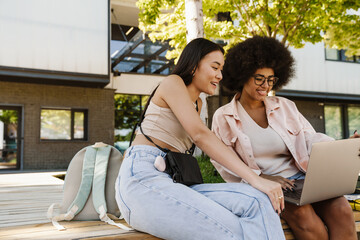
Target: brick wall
[{"x": 57, "y": 154}]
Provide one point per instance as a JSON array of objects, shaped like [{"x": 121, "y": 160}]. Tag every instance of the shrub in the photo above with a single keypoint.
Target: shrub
[{"x": 208, "y": 171}]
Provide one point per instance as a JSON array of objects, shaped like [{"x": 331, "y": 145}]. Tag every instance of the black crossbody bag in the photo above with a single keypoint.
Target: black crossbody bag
[{"x": 182, "y": 167}]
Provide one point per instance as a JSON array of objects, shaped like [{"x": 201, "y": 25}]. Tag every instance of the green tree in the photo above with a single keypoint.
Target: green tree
[
  {"x": 293, "y": 22},
  {"x": 8, "y": 116},
  {"x": 127, "y": 112},
  {"x": 345, "y": 34}
]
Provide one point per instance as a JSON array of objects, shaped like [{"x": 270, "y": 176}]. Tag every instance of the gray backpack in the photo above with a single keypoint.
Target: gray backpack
[{"x": 92, "y": 170}]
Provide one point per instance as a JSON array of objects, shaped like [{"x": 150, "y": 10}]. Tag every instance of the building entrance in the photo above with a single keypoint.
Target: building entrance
[{"x": 10, "y": 137}]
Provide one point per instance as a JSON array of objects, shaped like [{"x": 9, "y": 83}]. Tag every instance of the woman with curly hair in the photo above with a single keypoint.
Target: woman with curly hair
[{"x": 272, "y": 137}]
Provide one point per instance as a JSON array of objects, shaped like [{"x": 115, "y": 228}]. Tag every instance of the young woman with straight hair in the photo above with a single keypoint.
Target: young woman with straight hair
[{"x": 149, "y": 199}]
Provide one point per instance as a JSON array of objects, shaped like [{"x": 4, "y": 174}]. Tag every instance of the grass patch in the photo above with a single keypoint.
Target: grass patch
[{"x": 208, "y": 171}]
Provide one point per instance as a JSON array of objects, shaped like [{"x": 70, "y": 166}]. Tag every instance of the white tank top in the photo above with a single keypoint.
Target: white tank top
[
  {"x": 270, "y": 152},
  {"x": 162, "y": 124}
]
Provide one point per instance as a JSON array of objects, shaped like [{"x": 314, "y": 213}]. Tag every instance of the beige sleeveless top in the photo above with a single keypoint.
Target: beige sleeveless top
[
  {"x": 162, "y": 124},
  {"x": 270, "y": 152}
]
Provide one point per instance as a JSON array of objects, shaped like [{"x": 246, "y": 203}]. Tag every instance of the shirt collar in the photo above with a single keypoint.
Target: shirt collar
[{"x": 271, "y": 103}]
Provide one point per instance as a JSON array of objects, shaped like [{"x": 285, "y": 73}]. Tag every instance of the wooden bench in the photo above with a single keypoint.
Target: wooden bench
[
  {"x": 97, "y": 230},
  {"x": 24, "y": 199}
]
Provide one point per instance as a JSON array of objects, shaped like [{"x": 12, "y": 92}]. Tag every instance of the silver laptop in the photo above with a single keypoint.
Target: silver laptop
[{"x": 333, "y": 170}]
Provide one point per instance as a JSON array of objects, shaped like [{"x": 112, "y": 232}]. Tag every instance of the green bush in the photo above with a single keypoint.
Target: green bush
[{"x": 208, "y": 171}]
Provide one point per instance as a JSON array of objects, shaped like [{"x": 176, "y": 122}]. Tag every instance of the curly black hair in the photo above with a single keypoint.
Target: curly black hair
[{"x": 246, "y": 57}]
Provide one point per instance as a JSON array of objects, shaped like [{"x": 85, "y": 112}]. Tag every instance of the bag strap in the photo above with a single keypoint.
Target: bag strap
[
  {"x": 93, "y": 175},
  {"x": 148, "y": 138},
  {"x": 189, "y": 151},
  {"x": 98, "y": 190},
  {"x": 83, "y": 193},
  {"x": 98, "y": 185},
  {"x": 142, "y": 116},
  {"x": 86, "y": 182}
]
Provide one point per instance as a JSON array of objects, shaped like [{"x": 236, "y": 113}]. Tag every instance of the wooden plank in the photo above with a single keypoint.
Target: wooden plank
[
  {"x": 130, "y": 236},
  {"x": 74, "y": 230},
  {"x": 26, "y": 201},
  {"x": 356, "y": 216},
  {"x": 46, "y": 227}
]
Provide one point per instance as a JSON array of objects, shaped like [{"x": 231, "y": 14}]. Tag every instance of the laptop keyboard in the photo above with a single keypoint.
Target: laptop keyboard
[{"x": 296, "y": 193}]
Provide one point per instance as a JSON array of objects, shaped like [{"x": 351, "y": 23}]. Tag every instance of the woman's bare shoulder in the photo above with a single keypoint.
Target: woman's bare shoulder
[
  {"x": 168, "y": 86},
  {"x": 171, "y": 81}
]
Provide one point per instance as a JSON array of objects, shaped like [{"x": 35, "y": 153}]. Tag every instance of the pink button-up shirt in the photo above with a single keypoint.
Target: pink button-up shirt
[{"x": 283, "y": 116}]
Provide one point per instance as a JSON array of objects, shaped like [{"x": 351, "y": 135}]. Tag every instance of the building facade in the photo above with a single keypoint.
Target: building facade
[
  {"x": 54, "y": 66},
  {"x": 62, "y": 63}
]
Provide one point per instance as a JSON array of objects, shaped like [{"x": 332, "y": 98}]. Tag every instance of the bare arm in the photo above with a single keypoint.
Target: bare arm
[{"x": 175, "y": 94}]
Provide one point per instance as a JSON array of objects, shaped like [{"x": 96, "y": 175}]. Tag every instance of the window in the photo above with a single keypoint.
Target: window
[
  {"x": 339, "y": 55},
  {"x": 333, "y": 121},
  {"x": 63, "y": 124},
  {"x": 331, "y": 54},
  {"x": 353, "y": 118},
  {"x": 341, "y": 120},
  {"x": 128, "y": 109}
]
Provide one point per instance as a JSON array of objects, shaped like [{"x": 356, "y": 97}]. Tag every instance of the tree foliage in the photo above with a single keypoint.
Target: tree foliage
[
  {"x": 294, "y": 22},
  {"x": 127, "y": 112},
  {"x": 345, "y": 34},
  {"x": 8, "y": 116}
]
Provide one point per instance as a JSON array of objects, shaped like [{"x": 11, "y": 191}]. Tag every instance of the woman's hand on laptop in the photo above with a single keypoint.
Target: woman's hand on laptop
[{"x": 286, "y": 184}]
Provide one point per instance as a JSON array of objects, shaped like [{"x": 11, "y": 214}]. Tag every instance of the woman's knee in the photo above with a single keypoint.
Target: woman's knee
[
  {"x": 303, "y": 217},
  {"x": 340, "y": 210}
]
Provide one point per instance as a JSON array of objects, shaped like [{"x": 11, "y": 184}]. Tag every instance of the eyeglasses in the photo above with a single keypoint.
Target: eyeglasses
[{"x": 260, "y": 79}]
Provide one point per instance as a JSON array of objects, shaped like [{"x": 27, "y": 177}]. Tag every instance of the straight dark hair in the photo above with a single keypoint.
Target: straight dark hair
[
  {"x": 185, "y": 67},
  {"x": 192, "y": 55}
]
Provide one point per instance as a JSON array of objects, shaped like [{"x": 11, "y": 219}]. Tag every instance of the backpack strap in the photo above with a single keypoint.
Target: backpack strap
[
  {"x": 93, "y": 176},
  {"x": 86, "y": 182},
  {"x": 83, "y": 193},
  {"x": 98, "y": 185},
  {"x": 98, "y": 190}
]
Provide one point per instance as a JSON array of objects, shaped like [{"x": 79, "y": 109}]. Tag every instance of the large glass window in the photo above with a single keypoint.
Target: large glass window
[
  {"x": 9, "y": 137},
  {"x": 63, "y": 124},
  {"x": 339, "y": 55},
  {"x": 342, "y": 120},
  {"x": 128, "y": 109},
  {"x": 354, "y": 119},
  {"x": 333, "y": 121},
  {"x": 79, "y": 128}
]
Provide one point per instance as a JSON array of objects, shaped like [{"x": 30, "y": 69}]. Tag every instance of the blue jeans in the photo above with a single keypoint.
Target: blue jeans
[
  {"x": 151, "y": 202},
  {"x": 298, "y": 176}
]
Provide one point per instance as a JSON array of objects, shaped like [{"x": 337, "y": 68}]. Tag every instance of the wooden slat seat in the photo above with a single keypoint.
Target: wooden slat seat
[
  {"x": 97, "y": 230},
  {"x": 24, "y": 199},
  {"x": 74, "y": 230}
]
